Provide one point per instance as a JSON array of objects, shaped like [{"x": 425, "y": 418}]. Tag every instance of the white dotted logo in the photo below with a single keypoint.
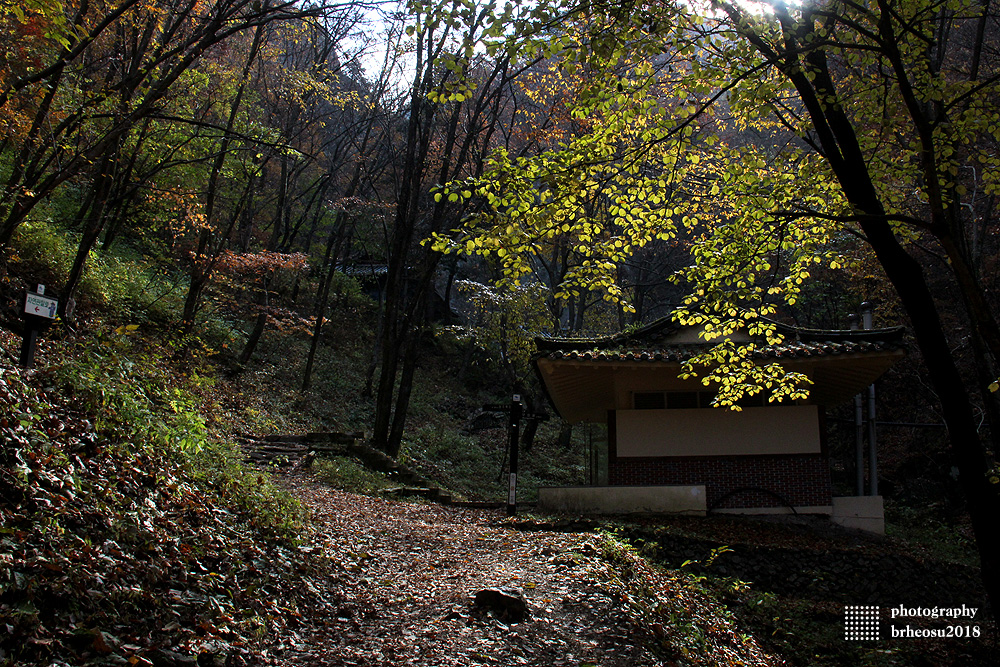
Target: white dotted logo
[{"x": 861, "y": 623}]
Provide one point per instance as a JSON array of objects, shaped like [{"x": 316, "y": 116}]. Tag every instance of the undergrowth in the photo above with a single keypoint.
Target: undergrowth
[
  {"x": 128, "y": 528},
  {"x": 347, "y": 474},
  {"x": 684, "y": 617}
]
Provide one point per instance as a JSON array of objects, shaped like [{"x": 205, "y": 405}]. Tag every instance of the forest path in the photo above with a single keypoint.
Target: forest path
[{"x": 408, "y": 574}]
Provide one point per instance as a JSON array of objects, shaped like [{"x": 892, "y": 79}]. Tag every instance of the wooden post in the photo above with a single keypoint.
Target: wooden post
[{"x": 28, "y": 345}]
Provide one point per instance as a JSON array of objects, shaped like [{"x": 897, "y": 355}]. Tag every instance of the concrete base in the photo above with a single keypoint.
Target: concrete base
[
  {"x": 861, "y": 512},
  {"x": 623, "y": 499},
  {"x": 826, "y": 510}
]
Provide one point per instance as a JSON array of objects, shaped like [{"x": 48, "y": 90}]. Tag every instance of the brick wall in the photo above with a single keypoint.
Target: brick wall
[{"x": 799, "y": 479}]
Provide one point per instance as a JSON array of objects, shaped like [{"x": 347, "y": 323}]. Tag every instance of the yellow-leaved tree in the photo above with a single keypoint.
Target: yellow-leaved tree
[{"x": 766, "y": 134}]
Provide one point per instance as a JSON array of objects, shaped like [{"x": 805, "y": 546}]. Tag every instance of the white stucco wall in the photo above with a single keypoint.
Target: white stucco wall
[{"x": 718, "y": 432}]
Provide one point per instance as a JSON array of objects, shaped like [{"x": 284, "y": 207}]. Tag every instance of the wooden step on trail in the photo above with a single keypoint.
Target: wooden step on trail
[{"x": 298, "y": 451}]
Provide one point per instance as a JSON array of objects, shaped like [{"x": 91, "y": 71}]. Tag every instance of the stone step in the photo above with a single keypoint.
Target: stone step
[
  {"x": 284, "y": 438},
  {"x": 334, "y": 438}
]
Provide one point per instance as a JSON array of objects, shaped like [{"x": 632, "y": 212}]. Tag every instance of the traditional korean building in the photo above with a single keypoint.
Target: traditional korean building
[{"x": 667, "y": 450}]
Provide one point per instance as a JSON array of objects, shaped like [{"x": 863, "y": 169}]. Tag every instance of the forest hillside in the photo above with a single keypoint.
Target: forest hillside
[{"x": 230, "y": 227}]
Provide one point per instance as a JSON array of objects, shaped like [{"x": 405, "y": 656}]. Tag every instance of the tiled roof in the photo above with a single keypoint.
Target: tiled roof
[
  {"x": 652, "y": 343},
  {"x": 680, "y": 353}
]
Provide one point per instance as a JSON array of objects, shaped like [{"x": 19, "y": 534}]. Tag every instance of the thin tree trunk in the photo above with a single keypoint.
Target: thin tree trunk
[
  {"x": 201, "y": 275},
  {"x": 92, "y": 213},
  {"x": 329, "y": 261}
]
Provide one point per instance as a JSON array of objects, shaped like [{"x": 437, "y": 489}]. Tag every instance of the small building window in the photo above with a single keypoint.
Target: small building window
[
  {"x": 672, "y": 400},
  {"x": 648, "y": 400},
  {"x": 682, "y": 400}
]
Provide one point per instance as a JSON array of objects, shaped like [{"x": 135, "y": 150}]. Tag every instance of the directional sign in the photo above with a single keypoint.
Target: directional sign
[{"x": 40, "y": 306}]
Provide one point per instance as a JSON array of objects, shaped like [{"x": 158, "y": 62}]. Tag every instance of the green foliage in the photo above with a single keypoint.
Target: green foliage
[
  {"x": 466, "y": 467},
  {"x": 732, "y": 132},
  {"x": 135, "y": 398},
  {"x": 50, "y": 13},
  {"x": 219, "y": 466},
  {"x": 46, "y": 248},
  {"x": 504, "y": 322},
  {"x": 121, "y": 281},
  {"x": 346, "y": 294},
  {"x": 713, "y": 554},
  {"x": 342, "y": 472},
  {"x": 928, "y": 530}
]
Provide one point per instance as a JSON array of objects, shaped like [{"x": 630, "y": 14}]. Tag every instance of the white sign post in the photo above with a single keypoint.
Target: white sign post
[
  {"x": 40, "y": 306},
  {"x": 39, "y": 311}
]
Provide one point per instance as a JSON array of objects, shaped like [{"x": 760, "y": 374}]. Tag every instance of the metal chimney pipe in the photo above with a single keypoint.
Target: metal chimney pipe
[
  {"x": 859, "y": 429},
  {"x": 867, "y": 312}
]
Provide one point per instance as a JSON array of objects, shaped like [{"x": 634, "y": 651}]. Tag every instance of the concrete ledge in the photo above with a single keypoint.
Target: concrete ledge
[
  {"x": 679, "y": 499},
  {"x": 825, "y": 510},
  {"x": 861, "y": 512}
]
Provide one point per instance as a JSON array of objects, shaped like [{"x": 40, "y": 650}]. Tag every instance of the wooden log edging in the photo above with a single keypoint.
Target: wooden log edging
[{"x": 291, "y": 451}]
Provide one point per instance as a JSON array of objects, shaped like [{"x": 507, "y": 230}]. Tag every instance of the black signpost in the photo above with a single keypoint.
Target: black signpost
[
  {"x": 39, "y": 313},
  {"x": 514, "y": 435},
  {"x": 515, "y": 413}
]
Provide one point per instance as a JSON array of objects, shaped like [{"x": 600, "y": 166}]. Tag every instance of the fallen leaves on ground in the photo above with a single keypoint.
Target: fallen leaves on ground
[
  {"x": 409, "y": 572},
  {"x": 112, "y": 553}
]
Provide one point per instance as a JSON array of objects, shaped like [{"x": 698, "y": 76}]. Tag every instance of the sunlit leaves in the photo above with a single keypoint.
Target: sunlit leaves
[{"x": 643, "y": 156}]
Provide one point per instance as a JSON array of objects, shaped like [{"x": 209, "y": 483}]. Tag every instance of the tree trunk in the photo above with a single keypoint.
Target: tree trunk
[
  {"x": 409, "y": 364},
  {"x": 530, "y": 425},
  {"x": 258, "y": 330},
  {"x": 837, "y": 136},
  {"x": 329, "y": 261},
  {"x": 982, "y": 498},
  {"x": 565, "y": 435},
  {"x": 92, "y": 215},
  {"x": 202, "y": 274}
]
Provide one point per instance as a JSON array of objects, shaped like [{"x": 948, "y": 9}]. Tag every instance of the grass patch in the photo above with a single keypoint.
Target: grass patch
[
  {"x": 346, "y": 473},
  {"x": 927, "y": 530}
]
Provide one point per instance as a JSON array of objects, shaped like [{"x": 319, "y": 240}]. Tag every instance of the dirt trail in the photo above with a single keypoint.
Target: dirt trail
[{"x": 409, "y": 573}]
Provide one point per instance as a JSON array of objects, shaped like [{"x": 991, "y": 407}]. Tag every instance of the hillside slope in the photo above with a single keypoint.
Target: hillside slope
[{"x": 133, "y": 535}]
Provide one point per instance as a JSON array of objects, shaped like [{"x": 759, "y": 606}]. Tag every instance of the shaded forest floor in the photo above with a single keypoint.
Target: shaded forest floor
[
  {"x": 409, "y": 574},
  {"x": 132, "y": 533}
]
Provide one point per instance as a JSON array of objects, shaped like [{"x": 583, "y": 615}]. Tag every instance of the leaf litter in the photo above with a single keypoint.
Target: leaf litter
[
  {"x": 115, "y": 554},
  {"x": 412, "y": 571}
]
